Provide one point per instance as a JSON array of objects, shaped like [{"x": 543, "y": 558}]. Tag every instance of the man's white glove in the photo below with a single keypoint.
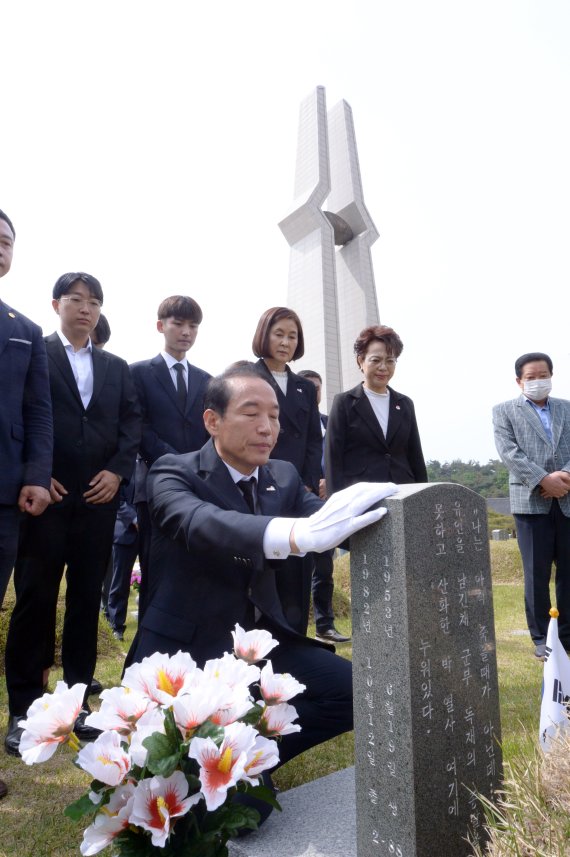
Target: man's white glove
[{"x": 341, "y": 516}]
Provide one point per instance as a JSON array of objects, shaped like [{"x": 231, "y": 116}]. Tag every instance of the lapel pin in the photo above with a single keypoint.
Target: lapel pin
[
  {"x": 270, "y": 488},
  {"x": 11, "y": 314},
  {"x": 397, "y": 407},
  {"x": 299, "y": 390}
]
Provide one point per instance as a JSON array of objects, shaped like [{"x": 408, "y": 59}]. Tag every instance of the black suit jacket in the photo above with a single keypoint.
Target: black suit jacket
[
  {"x": 26, "y": 433},
  {"x": 207, "y": 553},
  {"x": 103, "y": 436},
  {"x": 300, "y": 438},
  {"x": 166, "y": 428},
  {"x": 356, "y": 449}
]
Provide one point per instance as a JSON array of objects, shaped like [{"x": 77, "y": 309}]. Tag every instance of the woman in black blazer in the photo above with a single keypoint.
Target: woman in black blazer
[
  {"x": 278, "y": 340},
  {"x": 372, "y": 434}
]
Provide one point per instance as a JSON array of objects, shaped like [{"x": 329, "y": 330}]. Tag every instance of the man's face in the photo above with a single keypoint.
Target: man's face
[
  {"x": 318, "y": 385},
  {"x": 248, "y": 431},
  {"x": 78, "y": 311},
  {"x": 533, "y": 371},
  {"x": 179, "y": 335},
  {"x": 6, "y": 247}
]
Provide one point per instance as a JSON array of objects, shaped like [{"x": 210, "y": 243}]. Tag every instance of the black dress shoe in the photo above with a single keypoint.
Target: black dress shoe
[
  {"x": 84, "y": 732},
  {"x": 331, "y": 635},
  {"x": 540, "y": 651},
  {"x": 95, "y": 687},
  {"x": 3, "y": 789},
  {"x": 13, "y": 735}
]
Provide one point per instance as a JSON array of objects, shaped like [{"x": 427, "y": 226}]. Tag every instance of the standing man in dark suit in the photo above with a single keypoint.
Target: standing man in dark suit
[
  {"x": 322, "y": 584},
  {"x": 96, "y": 436},
  {"x": 171, "y": 393},
  {"x": 26, "y": 431},
  {"x": 225, "y": 519},
  {"x": 532, "y": 436}
]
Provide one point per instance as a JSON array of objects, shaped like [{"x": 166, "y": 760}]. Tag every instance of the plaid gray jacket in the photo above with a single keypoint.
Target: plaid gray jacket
[{"x": 529, "y": 455}]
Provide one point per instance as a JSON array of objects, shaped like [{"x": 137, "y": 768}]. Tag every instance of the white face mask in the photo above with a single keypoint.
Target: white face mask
[{"x": 538, "y": 390}]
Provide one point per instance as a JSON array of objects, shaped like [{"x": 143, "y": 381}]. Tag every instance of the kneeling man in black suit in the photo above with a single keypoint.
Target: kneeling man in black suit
[{"x": 224, "y": 519}]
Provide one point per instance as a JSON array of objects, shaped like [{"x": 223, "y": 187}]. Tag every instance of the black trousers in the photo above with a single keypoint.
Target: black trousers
[
  {"x": 9, "y": 524},
  {"x": 293, "y": 580},
  {"x": 323, "y": 588},
  {"x": 80, "y": 537},
  {"x": 124, "y": 557},
  {"x": 544, "y": 539}
]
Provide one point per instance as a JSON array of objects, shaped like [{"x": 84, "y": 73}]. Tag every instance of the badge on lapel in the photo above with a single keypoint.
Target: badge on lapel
[{"x": 11, "y": 315}]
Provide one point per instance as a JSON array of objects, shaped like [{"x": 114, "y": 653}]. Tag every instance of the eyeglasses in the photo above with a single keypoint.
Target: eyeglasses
[
  {"x": 389, "y": 362},
  {"x": 78, "y": 301}
]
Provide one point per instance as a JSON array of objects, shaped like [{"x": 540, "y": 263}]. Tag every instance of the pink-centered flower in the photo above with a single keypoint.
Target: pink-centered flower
[
  {"x": 200, "y": 704},
  {"x": 222, "y": 767},
  {"x": 105, "y": 759},
  {"x": 278, "y": 720},
  {"x": 112, "y": 820},
  {"x": 160, "y": 800},
  {"x": 234, "y": 708},
  {"x": 252, "y": 646},
  {"x": 263, "y": 756},
  {"x": 120, "y": 710},
  {"x": 161, "y": 677},
  {"x": 278, "y": 687},
  {"x": 231, "y": 670},
  {"x": 50, "y": 721}
]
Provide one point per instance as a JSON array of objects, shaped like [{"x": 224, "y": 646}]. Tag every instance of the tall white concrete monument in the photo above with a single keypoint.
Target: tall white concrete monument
[{"x": 330, "y": 232}]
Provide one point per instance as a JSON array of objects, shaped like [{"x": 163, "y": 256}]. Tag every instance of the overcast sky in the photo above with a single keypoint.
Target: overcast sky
[{"x": 153, "y": 145}]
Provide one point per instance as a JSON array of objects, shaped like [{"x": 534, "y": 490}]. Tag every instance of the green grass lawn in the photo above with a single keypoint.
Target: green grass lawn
[{"x": 31, "y": 817}]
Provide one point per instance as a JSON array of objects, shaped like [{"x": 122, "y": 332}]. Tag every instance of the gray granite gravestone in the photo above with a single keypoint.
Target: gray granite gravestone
[{"x": 425, "y": 674}]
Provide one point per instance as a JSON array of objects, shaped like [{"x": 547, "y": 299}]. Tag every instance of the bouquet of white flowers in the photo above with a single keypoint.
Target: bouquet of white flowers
[{"x": 177, "y": 743}]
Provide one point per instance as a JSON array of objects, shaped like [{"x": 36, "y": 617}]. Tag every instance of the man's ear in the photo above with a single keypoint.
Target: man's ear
[
  {"x": 55, "y": 305},
  {"x": 159, "y": 326},
  {"x": 212, "y": 422}
]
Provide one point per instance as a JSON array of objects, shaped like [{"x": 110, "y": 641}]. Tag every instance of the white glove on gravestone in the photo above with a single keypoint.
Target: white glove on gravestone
[{"x": 341, "y": 516}]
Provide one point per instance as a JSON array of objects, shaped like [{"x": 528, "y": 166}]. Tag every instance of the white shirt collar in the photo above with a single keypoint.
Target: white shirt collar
[
  {"x": 67, "y": 344},
  {"x": 237, "y": 476},
  {"x": 172, "y": 361}
]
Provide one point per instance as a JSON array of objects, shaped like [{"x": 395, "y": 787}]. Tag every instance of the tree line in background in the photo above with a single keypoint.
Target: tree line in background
[{"x": 489, "y": 480}]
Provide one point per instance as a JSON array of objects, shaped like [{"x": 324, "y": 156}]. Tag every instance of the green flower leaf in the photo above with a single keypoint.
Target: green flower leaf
[
  {"x": 163, "y": 754},
  {"x": 83, "y": 806}
]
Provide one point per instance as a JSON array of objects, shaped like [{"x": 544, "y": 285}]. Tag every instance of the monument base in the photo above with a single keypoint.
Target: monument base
[{"x": 318, "y": 820}]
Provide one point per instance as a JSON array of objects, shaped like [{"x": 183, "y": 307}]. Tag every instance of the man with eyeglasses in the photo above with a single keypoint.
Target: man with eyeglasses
[
  {"x": 25, "y": 421},
  {"x": 97, "y": 428}
]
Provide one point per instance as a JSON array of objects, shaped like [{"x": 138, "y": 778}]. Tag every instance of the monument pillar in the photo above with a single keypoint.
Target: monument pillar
[{"x": 426, "y": 697}]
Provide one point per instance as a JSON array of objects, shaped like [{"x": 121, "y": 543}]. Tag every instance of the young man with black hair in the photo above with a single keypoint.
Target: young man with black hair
[
  {"x": 96, "y": 436},
  {"x": 171, "y": 393},
  {"x": 26, "y": 430}
]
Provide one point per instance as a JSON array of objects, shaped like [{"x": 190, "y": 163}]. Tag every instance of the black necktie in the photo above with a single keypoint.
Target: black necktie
[
  {"x": 246, "y": 487},
  {"x": 181, "y": 391}
]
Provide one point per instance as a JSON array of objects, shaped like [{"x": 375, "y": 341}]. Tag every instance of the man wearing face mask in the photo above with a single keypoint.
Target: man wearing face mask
[{"x": 532, "y": 436}]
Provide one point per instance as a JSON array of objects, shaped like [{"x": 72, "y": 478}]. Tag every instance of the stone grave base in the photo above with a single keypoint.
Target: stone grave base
[{"x": 318, "y": 820}]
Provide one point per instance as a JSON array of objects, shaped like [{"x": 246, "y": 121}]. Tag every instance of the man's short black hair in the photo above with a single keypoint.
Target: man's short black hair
[
  {"x": 219, "y": 392},
  {"x": 310, "y": 373},
  {"x": 65, "y": 282},
  {"x": 101, "y": 333},
  {"x": 4, "y": 216},
  {"x": 530, "y": 358},
  {"x": 180, "y": 306}
]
